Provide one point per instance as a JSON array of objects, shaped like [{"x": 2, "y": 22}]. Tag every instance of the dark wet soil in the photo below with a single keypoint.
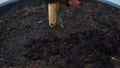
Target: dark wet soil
[{"x": 90, "y": 38}]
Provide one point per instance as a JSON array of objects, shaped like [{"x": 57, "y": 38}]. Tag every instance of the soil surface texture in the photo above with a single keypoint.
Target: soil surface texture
[{"x": 90, "y": 38}]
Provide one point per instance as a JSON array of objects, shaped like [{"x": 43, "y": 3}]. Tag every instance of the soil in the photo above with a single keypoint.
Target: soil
[{"x": 90, "y": 38}]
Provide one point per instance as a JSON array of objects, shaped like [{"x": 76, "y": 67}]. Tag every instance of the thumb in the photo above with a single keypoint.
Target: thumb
[{"x": 73, "y": 2}]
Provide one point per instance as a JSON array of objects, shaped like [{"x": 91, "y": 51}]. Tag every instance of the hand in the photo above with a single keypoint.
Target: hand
[{"x": 73, "y": 2}]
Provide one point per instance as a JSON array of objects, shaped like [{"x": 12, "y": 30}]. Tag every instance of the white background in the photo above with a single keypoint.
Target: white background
[
  {"x": 2, "y": 1},
  {"x": 115, "y": 1}
]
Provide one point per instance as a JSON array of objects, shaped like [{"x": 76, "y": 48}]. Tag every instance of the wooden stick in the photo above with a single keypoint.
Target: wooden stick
[{"x": 52, "y": 12}]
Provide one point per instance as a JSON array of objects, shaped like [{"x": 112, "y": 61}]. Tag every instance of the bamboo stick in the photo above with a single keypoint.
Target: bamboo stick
[{"x": 52, "y": 12}]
